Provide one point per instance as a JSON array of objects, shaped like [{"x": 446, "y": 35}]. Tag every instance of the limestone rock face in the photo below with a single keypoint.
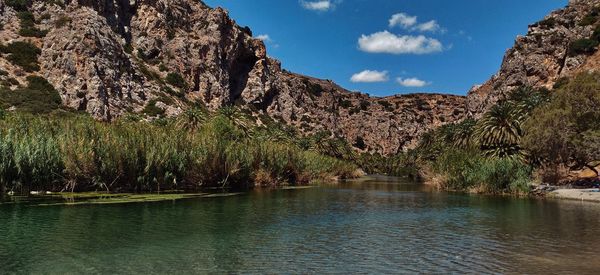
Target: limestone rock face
[
  {"x": 539, "y": 58},
  {"x": 112, "y": 57},
  {"x": 387, "y": 125},
  {"x": 85, "y": 61}
]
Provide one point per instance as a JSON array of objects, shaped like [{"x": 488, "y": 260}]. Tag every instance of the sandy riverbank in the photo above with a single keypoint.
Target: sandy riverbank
[{"x": 592, "y": 195}]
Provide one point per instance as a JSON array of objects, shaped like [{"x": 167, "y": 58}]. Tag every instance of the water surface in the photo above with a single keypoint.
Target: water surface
[{"x": 361, "y": 227}]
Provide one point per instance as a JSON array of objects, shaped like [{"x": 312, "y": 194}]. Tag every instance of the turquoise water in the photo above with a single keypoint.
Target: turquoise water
[{"x": 368, "y": 227}]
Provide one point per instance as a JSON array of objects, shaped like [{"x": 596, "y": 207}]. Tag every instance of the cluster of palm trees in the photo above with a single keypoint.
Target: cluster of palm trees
[{"x": 498, "y": 134}]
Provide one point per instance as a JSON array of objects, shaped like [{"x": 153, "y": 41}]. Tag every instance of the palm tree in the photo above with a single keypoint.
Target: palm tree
[
  {"x": 526, "y": 99},
  {"x": 237, "y": 118},
  {"x": 192, "y": 119},
  {"x": 463, "y": 133},
  {"x": 499, "y": 132}
]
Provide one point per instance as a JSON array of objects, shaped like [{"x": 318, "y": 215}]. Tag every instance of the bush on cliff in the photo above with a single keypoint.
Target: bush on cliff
[
  {"x": 23, "y": 54},
  {"x": 567, "y": 130},
  {"x": 583, "y": 46},
  {"x": 39, "y": 97}
]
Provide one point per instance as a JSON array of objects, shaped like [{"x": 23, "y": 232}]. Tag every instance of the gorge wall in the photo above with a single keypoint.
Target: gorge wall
[
  {"x": 559, "y": 46},
  {"x": 112, "y": 57}
]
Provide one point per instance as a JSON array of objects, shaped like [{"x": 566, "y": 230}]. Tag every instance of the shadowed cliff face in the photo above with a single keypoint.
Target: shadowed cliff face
[
  {"x": 120, "y": 56},
  {"x": 543, "y": 56}
]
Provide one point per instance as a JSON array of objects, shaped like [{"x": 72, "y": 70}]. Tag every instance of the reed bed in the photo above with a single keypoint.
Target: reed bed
[{"x": 77, "y": 153}]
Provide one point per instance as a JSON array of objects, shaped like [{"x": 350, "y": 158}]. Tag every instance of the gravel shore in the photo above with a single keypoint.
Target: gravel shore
[{"x": 592, "y": 195}]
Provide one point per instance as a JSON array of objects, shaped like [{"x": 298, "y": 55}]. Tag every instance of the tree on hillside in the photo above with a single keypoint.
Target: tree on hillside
[{"x": 567, "y": 130}]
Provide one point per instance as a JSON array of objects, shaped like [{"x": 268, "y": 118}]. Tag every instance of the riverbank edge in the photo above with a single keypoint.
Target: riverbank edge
[
  {"x": 587, "y": 195},
  {"x": 537, "y": 192},
  {"x": 104, "y": 197}
]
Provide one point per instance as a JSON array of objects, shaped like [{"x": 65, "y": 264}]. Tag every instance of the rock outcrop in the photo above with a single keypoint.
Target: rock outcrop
[
  {"x": 112, "y": 57},
  {"x": 543, "y": 56}
]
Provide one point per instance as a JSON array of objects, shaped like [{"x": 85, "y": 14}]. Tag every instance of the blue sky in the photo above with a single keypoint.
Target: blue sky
[{"x": 386, "y": 47}]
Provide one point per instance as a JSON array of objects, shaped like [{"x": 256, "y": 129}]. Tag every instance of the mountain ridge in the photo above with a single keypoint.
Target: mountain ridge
[
  {"x": 160, "y": 57},
  {"x": 109, "y": 58}
]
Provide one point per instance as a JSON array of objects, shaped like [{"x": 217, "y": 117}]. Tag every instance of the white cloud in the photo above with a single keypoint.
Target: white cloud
[
  {"x": 403, "y": 19},
  {"x": 412, "y": 82},
  {"x": 409, "y": 22},
  {"x": 386, "y": 42},
  {"x": 431, "y": 26},
  {"x": 369, "y": 76},
  {"x": 264, "y": 37},
  {"x": 321, "y": 5}
]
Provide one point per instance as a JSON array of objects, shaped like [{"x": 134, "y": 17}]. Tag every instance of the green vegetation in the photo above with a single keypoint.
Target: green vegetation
[
  {"x": 152, "y": 110},
  {"x": 22, "y": 54},
  {"x": 583, "y": 46},
  {"x": 548, "y": 23},
  {"x": 313, "y": 88},
  {"x": 89, "y": 198},
  {"x": 176, "y": 80},
  {"x": 386, "y": 105},
  {"x": 346, "y": 104},
  {"x": 63, "y": 21},
  {"x": 18, "y": 5},
  {"x": 76, "y": 153},
  {"x": 566, "y": 132},
  {"x": 401, "y": 165},
  {"x": 485, "y": 155},
  {"x": 587, "y": 45},
  {"x": 39, "y": 97},
  {"x": 28, "y": 28},
  {"x": 591, "y": 18},
  {"x": 529, "y": 136}
]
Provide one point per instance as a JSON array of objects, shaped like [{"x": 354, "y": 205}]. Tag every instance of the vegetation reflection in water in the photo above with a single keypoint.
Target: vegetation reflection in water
[{"x": 107, "y": 198}]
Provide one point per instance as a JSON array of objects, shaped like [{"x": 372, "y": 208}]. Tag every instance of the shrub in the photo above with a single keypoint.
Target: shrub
[
  {"x": 364, "y": 105},
  {"x": 128, "y": 48},
  {"x": 62, "y": 21},
  {"x": 313, "y": 88},
  {"x": 8, "y": 82},
  {"x": 39, "y": 97},
  {"x": 18, "y": 5},
  {"x": 150, "y": 74},
  {"x": 345, "y": 104},
  {"x": 467, "y": 170},
  {"x": 596, "y": 34},
  {"x": 23, "y": 54},
  {"x": 583, "y": 46},
  {"x": 176, "y": 80},
  {"x": 28, "y": 28},
  {"x": 591, "y": 18},
  {"x": 567, "y": 130},
  {"x": 152, "y": 110},
  {"x": 548, "y": 22},
  {"x": 386, "y": 105}
]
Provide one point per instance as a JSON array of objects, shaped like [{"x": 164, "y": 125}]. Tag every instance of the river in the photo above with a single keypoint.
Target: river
[{"x": 373, "y": 226}]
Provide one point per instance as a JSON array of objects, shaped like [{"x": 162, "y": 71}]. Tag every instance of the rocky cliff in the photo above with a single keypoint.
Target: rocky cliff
[
  {"x": 562, "y": 44},
  {"x": 158, "y": 57}
]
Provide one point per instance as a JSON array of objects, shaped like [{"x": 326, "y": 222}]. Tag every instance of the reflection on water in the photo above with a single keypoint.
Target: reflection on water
[{"x": 373, "y": 226}]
